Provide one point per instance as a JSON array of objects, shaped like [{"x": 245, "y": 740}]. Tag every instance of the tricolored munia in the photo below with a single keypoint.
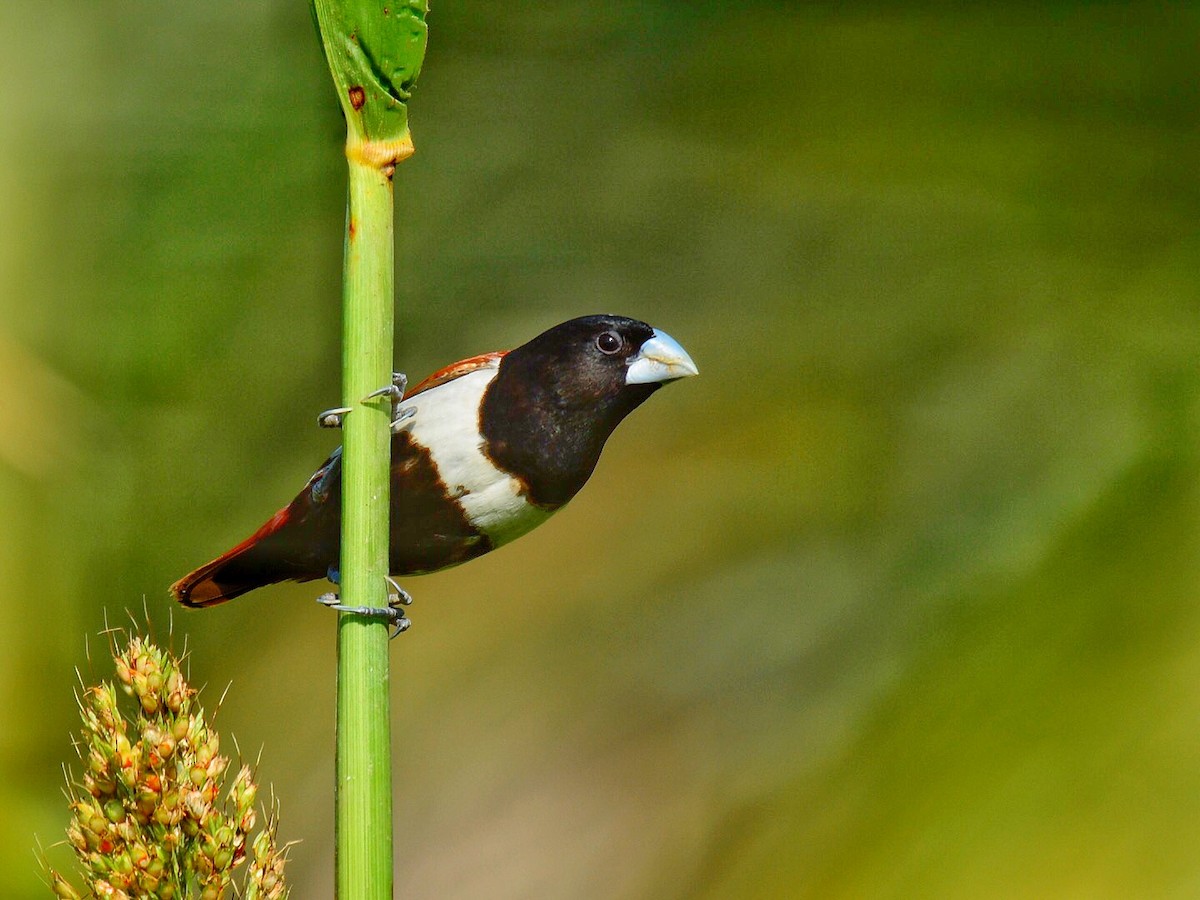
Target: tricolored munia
[{"x": 483, "y": 451}]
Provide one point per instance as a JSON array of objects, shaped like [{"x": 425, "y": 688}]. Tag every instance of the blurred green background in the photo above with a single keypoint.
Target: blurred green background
[{"x": 899, "y": 599}]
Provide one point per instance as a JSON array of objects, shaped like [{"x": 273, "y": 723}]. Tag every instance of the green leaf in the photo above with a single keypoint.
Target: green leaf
[{"x": 374, "y": 49}]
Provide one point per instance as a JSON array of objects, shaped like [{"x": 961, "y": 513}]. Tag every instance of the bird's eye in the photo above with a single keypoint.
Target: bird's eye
[{"x": 609, "y": 342}]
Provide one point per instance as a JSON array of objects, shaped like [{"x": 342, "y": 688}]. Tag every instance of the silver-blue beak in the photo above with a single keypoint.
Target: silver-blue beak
[{"x": 660, "y": 359}]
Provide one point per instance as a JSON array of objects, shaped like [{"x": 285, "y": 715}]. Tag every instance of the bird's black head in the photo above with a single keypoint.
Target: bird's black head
[{"x": 557, "y": 398}]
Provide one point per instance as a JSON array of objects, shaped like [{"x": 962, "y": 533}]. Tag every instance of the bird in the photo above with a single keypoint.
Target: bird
[{"x": 482, "y": 452}]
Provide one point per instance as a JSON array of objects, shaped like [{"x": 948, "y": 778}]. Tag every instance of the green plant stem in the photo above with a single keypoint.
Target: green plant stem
[
  {"x": 364, "y": 778},
  {"x": 374, "y": 49}
]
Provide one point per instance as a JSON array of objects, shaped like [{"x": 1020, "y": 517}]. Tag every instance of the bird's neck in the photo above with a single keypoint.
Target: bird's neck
[{"x": 544, "y": 438}]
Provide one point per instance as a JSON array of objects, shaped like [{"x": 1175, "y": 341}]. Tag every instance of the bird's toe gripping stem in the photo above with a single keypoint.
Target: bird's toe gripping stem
[
  {"x": 393, "y": 613},
  {"x": 333, "y": 418}
]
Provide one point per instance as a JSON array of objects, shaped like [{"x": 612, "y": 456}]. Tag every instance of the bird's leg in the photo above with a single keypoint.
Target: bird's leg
[
  {"x": 393, "y": 612},
  {"x": 332, "y": 418}
]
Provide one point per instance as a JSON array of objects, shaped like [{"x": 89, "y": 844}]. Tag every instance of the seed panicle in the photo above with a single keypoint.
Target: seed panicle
[{"x": 151, "y": 815}]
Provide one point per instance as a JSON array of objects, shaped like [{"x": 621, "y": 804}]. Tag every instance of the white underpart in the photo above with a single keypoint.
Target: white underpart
[{"x": 447, "y": 424}]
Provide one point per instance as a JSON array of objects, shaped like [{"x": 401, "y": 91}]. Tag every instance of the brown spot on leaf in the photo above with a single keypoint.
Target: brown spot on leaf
[
  {"x": 357, "y": 97},
  {"x": 352, "y": 228}
]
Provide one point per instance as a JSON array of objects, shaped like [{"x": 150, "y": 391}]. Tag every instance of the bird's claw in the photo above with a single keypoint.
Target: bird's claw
[
  {"x": 395, "y": 392},
  {"x": 399, "y": 596},
  {"x": 400, "y": 416},
  {"x": 333, "y": 418},
  {"x": 393, "y": 613}
]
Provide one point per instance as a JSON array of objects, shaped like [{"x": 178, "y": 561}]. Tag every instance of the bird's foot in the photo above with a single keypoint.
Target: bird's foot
[
  {"x": 395, "y": 392},
  {"x": 333, "y": 418},
  {"x": 393, "y": 613}
]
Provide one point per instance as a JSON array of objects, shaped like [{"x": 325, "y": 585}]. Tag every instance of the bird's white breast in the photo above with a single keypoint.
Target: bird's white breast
[{"x": 446, "y": 423}]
